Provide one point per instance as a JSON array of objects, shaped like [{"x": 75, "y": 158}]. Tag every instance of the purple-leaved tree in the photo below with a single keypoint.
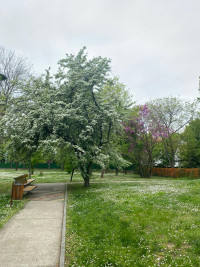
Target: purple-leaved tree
[{"x": 142, "y": 134}]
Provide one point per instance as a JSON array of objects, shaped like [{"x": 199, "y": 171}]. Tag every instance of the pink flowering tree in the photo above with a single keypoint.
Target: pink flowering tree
[
  {"x": 142, "y": 134},
  {"x": 174, "y": 114}
]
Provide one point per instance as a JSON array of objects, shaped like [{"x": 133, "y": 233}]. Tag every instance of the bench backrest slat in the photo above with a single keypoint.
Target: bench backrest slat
[{"x": 21, "y": 179}]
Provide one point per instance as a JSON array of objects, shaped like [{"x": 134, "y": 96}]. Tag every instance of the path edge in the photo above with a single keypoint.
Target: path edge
[
  {"x": 62, "y": 248},
  {"x": 12, "y": 218}
]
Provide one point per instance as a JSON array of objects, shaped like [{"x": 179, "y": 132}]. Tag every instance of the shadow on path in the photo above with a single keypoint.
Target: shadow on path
[{"x": 48, "y": 192}]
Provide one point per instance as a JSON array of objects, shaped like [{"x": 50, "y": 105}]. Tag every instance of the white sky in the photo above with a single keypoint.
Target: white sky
[{"x": 154, "y": 45}]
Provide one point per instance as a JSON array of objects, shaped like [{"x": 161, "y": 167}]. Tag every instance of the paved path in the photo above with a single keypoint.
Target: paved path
[{"x": 33, "y": 236}]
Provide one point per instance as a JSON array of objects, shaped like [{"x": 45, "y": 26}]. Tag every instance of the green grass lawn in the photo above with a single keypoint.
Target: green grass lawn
[
  {"x": 146, "y": 222},
  {"x": 41, "y": 176},
  {"x": 6, "y": 212},
  {"x": 57, "y": 176}
]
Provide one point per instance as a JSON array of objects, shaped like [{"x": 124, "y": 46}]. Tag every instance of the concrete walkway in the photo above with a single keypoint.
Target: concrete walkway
[{"x": 33, "y": 236}]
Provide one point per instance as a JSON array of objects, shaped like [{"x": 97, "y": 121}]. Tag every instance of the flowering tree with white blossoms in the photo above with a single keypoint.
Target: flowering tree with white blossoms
[{"x": 68, "y": 108}]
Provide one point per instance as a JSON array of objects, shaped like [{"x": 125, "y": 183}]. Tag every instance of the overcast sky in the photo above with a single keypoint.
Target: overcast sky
[{"x": 154, "y": 45}]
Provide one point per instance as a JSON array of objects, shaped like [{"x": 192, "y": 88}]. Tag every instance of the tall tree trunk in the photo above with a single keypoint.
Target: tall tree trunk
[
  {"x": 16, "y": 165},
  {"x": 32, "y": 169},
  {"x": 72, "y": 174},
  {"x": 141, "y": 170},
  {"x": 117, "y": 171},
  {"x": 102, "y": 173},
  {"x": 89, "y": 172},
  {"x": 169, "y": 154},
  {"x": 62, "y": 167},
  {"x": 29, "y": 168},
  {"x": 86, "y": 182},
  {"x": 173, "y": 160},
  {"x": 150, "y": 164},
  {"x": 86, "y": 172},
  {"x": 29, "y": 172},
  {"x": 150, "y": 170}
]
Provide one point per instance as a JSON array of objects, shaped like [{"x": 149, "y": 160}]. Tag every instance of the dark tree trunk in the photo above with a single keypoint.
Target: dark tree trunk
[
  {"x": 62, "y": 167},
  {"x": 86, "y": 182},
  {"x": 102, "y": 173},
  {"x": 32, "y": 169},
  {"x": 29, "y": 168},
  {"x": 72, "y": 174},
  {"x": 150, "y": 171},
  {"x": 16, "y": 166},
  {"x": 29, "y": 172},
  {"x": 172, "y": 162},
  {"x": 145, "y": 171},
  {"x": 141, "y": 170},
  {"x": 117, "y": 171},
  {"x": 86, "y": 173},
  {"x": 169, "y": 152}
]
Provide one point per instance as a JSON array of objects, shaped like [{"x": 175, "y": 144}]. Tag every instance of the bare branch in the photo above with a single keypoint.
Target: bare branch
[{"x": 15, "y": 68}]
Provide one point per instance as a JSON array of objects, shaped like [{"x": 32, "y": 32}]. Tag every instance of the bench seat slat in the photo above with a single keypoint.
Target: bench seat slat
[
  {"x": 29, "y": 181},
  {"x": 29, "y": 188}
]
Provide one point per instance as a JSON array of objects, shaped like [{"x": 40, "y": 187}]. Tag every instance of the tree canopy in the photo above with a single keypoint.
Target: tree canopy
[
  {"x": 190, "y": 147},
  {"x": 15, "y": 68},
  {"x": 67, "y": 107},
  {"x": 174, "y": 114}
]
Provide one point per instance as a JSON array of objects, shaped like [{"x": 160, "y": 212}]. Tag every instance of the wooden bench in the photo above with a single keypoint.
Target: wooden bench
[{"x": 21, "y": 185}]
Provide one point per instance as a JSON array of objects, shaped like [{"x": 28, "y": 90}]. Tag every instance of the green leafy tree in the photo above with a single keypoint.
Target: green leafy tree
[
  {"x": 119, "y": 99},
  {"x": 117, "y": 95},
  {"x": 112, "y": 156},
  {"x": 66, "y": 158},
  {"x": 36, "y": 158},
  {"x": 190, "y": 146},
  {"x": 164, "y": 159}
]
